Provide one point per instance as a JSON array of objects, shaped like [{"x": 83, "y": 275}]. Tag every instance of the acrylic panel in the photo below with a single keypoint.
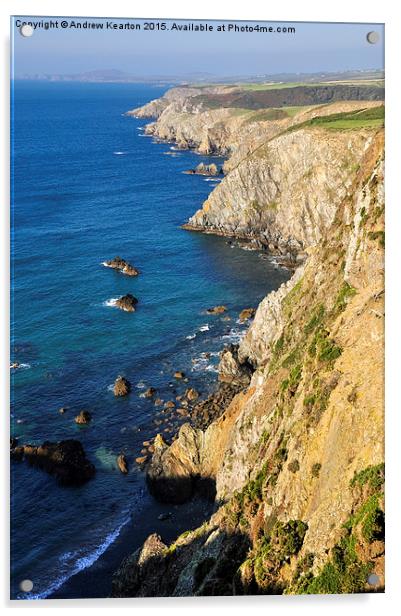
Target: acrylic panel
[{"x": 197, "y": 326}]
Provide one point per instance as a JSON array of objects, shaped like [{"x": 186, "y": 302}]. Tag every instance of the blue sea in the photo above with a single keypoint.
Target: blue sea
[{"x": 88, "y": 185}]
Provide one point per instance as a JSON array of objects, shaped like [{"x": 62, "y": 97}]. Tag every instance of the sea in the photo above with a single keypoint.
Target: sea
[{"x": 88, "y": 185}]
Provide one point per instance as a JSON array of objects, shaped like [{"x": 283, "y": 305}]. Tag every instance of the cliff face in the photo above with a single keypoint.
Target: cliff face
[
  {"x": 284, "y": 179},
  {"x": 297, "y": 456}
]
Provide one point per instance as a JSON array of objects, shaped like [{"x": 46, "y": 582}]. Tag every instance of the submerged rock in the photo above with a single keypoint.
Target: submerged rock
[
  {"x": 122, "y": 463},
  {"x": 122, "y": 386},
  {"x": 122, "y": 265},
  {"x": 66, "y": 460},
  {"x": 127, "y": 302}
]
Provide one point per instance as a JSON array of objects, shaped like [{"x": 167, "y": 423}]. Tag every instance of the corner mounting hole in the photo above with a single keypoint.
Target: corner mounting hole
[
  {"x": 26, "y": 30},
  {"x": 373, "y": 579},
  {"x": 372, "y": 37},
  {"x": 26, "y": 585}
]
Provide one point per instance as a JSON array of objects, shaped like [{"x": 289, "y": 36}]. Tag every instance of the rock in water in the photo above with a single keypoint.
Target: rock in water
[
  {"x": 122, "y": 463},
  {"x": 127, "y": 302},
  {"x": 84, "y": 417},
  {"x": 217, "y": 310},
  {"x": 149, "y": 393},
  {"x": 203, "y": 169},
  {"x": 247, "y": 313},
  {"x": 123, "y": 266},
  {"x": 191, "y": 394},
  {"x": 179, "y": 374},
  {"x": 66, "y": 460},
  {"x": 122, "y": 386}
]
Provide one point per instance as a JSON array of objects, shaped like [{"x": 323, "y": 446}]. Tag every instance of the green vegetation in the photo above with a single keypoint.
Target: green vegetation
[
  {"x": 316, "y": 469},
  {"x": 316, "y": 319},
  {"x": 377, "y": 235},
  {"x": 372, "y": 476},
  {"x": 324, "y": 348},
  {"x": 364, "y": 118},
  {"x": 345, "y": 572},
  {"x": 344, "y": 295},
  {"x": 294, "y": 466}
]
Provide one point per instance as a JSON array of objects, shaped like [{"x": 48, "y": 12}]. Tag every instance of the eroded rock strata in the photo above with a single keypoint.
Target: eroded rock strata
[{"x": 295, "y": 455}]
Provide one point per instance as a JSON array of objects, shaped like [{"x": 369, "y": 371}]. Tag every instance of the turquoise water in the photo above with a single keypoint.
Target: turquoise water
[{"x": 87, "y": 186}]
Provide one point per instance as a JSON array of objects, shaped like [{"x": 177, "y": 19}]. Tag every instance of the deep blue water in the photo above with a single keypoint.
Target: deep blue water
[{"x": 76, "y": 202}]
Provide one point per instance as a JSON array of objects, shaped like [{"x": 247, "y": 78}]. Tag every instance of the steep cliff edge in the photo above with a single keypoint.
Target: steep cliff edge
[
  {"x": 288, "y": 168},
  {"x": 297, "y": 457}
]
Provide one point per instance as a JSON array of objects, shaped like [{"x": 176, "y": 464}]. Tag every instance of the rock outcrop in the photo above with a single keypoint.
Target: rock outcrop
[
  {"x": 204, "y": 169},
  {"x": 122, "y": 266},
  {"x": 122, "y": 386},
  {"x": 65, "y": 460},
  {"x": 127, "y": 303},
  {"x": 84, "y": 417}
]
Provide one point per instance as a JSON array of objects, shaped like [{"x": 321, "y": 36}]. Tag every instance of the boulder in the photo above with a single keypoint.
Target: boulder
[
  {"x": 141, "y": 460},
  {"x": 217, "y": 310},
  {"x": 122, "y": 386},
  {"x": 127, "y": 302},
  {"x": 149, "y": 393},
  {"x": 122, "y": 265},
  {"x": 122, "y": 463},
  {"x": 84, "y": 417},
  {"x": 179, "y": 375},
  {"x": 191, "y": 394},
  {"x": 169, "y": 405},
  {"x": 204, "y": 169},
  {"x": 65, "y": 460},
  {"x": 62, "y": 410},
  {"x": 246, "y": 314}
]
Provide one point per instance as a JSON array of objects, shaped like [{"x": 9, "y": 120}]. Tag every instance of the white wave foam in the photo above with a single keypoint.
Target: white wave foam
[
  {"x": 190, "y": 336},
  {"x": 19, "y": 366},
  {"x": 140, "y": 385},
  {"x": 234, "y": 335},
  {"x": 111, "y": 303},
  {"x": 81, "y": 563},
  {"x": 119, "y": 153},
  {"x": 204, "y": 328}
]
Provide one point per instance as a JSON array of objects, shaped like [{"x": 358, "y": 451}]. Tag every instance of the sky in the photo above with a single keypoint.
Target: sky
[{"x": 314, "y": 47}]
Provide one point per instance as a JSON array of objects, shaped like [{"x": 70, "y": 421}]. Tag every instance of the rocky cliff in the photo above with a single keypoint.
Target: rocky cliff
[{"x": 296, "y": 458}]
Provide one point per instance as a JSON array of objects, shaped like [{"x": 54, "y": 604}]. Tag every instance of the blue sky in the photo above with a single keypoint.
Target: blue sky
[{"x": 314, "y": 47}]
